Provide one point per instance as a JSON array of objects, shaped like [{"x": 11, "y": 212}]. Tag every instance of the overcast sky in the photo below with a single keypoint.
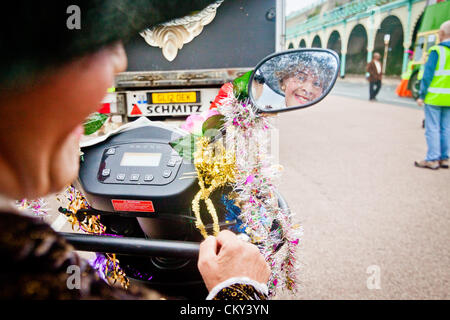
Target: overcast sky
[{"x": 294, "y": 5}]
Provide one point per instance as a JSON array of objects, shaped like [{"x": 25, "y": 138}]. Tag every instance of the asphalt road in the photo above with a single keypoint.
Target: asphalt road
[{"x": 375, "y": 226}]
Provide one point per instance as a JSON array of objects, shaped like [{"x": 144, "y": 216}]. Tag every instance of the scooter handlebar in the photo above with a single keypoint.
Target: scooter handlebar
[
  {"x": 132, "y": 246},
  {"x": 140, "y": 246}
]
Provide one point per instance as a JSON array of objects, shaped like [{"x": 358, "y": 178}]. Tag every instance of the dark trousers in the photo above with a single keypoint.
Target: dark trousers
[{"x": 374, "y": 88}]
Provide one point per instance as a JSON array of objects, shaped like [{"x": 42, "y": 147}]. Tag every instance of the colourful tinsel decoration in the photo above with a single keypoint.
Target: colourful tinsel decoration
[
  {"x": 269, "y": 226},
  {"x": 215, "y": 168},
  {"x": 106, "y": 265},
  {"x": 39, "y": 207},
  {"x": 232, "y": 214}
]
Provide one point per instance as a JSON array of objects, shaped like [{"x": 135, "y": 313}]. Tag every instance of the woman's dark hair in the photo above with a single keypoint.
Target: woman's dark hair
[
  {"x": 259, "y": 78},
  {"x": 35, "y": 37}
]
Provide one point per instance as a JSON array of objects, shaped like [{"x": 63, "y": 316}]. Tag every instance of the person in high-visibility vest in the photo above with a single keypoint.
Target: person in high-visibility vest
[{"x": 435, "y": 95}]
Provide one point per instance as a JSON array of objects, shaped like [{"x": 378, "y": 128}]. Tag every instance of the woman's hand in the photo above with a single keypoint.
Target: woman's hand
[{"x": 226, "y": 256}]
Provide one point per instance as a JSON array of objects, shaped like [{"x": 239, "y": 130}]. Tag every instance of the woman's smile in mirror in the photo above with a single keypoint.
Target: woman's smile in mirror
[{"x": 301, "y": 88}]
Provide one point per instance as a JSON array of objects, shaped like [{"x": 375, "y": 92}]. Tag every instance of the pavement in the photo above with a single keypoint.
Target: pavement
[
  {"x": 375, "y": 226},
  {"x": 357, "y": 87}
]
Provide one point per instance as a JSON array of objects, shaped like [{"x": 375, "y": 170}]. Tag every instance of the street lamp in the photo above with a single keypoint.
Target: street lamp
[{"x": 387, "y": 37}]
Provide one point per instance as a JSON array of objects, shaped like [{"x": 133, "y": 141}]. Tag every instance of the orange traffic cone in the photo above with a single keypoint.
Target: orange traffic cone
[{"x": 402, "y": 89}]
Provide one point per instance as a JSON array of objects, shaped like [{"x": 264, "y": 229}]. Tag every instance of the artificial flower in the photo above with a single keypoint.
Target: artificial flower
[
  {"x": 194, "y": 122},
  {"x": 224, "y": 92}
]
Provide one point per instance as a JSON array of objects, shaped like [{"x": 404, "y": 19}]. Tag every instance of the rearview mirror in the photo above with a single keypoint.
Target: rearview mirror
[{"x": 293, "y": 79}]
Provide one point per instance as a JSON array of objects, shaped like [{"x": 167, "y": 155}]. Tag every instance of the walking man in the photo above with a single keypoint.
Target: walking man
[
  {"x": 435, "y": 95},
  {"x": 374, "y": 69}
]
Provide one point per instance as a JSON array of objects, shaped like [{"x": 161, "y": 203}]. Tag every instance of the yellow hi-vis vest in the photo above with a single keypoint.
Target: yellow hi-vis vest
[{"x": 438, "y": 93}]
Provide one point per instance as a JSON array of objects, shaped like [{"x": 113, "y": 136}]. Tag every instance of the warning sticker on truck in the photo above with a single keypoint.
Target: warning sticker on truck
[{"x": 133, "y": 205}]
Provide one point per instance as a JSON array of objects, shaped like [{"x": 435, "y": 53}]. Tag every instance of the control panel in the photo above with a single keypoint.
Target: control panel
[
  {"x": 136, "y": 172},
  {"x": 139, "y": 163}
]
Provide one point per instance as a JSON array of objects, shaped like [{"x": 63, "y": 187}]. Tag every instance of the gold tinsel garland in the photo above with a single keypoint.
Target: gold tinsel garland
[{"x": 215, "y": 168}]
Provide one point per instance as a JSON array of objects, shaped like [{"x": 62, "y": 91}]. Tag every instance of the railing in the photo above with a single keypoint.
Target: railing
[{"x": 337, "y": 14}]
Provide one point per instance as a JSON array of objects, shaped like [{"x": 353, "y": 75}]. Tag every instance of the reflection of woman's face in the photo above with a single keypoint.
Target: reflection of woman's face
[{"x": 301, "y": 88}]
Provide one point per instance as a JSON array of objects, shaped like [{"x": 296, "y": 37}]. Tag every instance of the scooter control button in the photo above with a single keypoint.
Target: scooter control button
[
  {"x": 120, "y": 177},
  {"x": 106, "y": 172},
  {"x": 167, "y": 173},
  {"x": 134, "y": 177},
  {"x": 148, "y": 177},
  {"x": 172, "y": 162},
  {"x": 111, "y": 151}
]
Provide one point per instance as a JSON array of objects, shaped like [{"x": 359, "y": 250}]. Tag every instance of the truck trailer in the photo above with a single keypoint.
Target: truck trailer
[{"x": 176, "y": 69}]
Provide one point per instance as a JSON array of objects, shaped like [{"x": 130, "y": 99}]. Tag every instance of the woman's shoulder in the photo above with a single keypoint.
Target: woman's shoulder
[
  {"x": 36, "y": 260},
  {"x": 18, "y": 231}
]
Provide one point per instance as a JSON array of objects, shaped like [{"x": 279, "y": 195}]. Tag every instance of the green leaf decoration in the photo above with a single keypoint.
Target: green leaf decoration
[
  {"x": 214, "y": 122},
  {"x": 240, "y": 86},
  {"x": 185, "y": 146},
  {"x": 94, "y": 122}
]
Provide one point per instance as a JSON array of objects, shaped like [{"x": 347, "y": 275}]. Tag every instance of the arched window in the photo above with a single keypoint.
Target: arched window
[
  {"x": 334, "y": 42},
  {"x": 391, "y": 25},
  {"x": 317, "y": 43},
  {"x": 357, "y": 51}
]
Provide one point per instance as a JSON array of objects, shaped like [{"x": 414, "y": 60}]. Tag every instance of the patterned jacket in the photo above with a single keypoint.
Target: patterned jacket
[{"x": 35, "y": 260}]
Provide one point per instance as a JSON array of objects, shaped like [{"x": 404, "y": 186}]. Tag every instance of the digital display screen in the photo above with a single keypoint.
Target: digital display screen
[{"x": 140, "y": 159}]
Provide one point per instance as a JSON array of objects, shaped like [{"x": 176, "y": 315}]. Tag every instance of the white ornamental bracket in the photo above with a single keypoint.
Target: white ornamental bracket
[{"x": 171, "y": 36}]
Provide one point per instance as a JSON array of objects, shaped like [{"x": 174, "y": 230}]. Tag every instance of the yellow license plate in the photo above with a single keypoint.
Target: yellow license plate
[{"x": 174, "y": 97}]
